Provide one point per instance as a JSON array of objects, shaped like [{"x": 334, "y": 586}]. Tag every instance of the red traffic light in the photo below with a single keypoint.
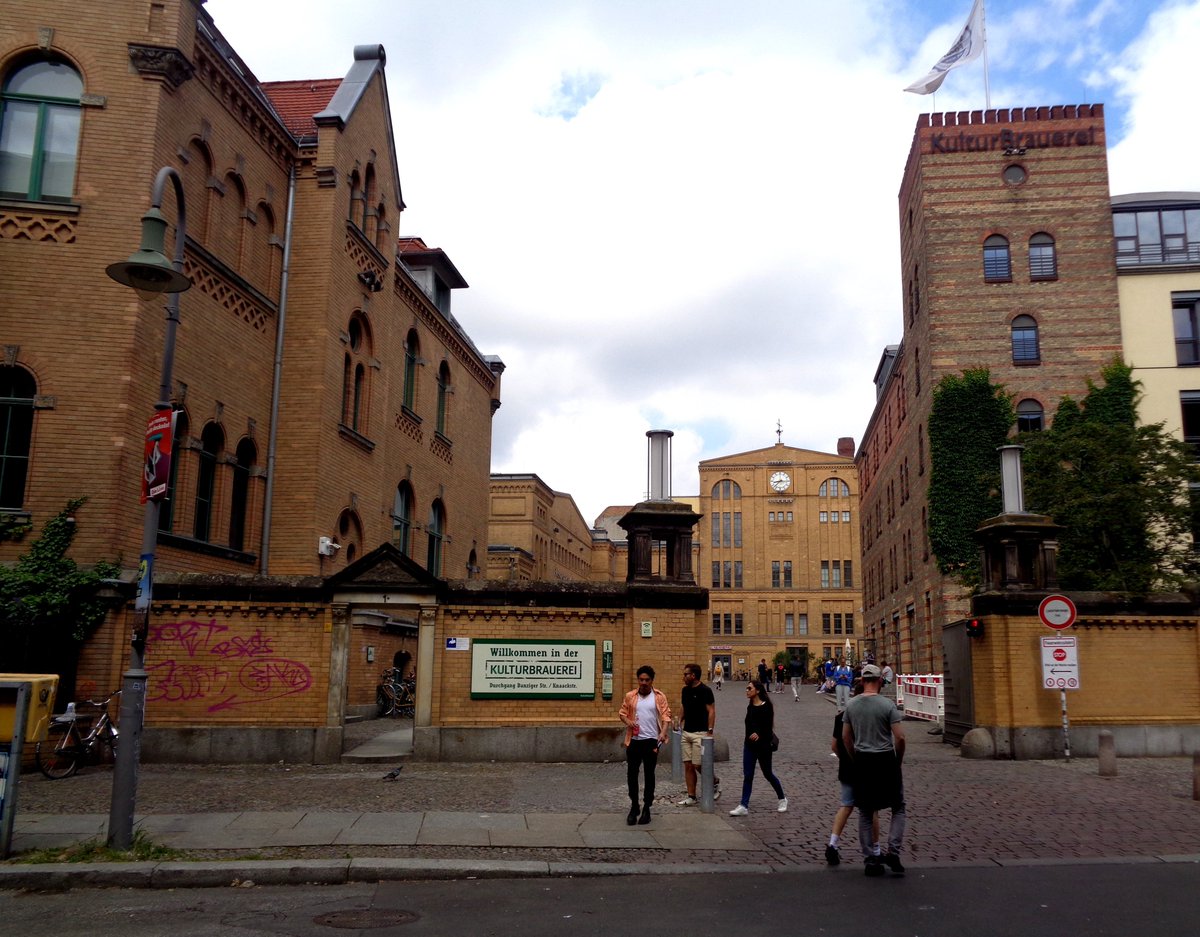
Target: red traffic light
[{"x": 975, "y": 628}]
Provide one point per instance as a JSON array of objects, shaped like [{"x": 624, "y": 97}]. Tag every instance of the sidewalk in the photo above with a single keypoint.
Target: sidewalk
[{"x": 335, "y": 822}]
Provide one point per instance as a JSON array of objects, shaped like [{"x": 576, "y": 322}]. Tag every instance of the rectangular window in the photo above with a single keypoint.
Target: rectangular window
[
  {"x": 789, "y": 623},
  {"x": 737, "y": 528},
  {"x": 716, "y": 623},
  {"x": 716, "y": 574},
  {"x": 849, "y": 622},
  {"x": 737, "y": 574},
  {"x": 826, "y": 628},
  {"x": 824, "y": 516},
  {"x": 789, "y": 516},
  {"x": 1189, "y": 404},
  {"x": 848, "y": 573},
  {"x": 834, "y": 516},
  {"x": 771, "y": 517},
  {"x": 845, "y": 517},
  {"x": 824, "y": 574},
  {"x": 837, "y": 574},
  {"x": 716, "y": 529},
  {"x": 737, "y": 622},
  {"x": 787, "y": 574},
  {"x": 774, "y": 574},
  {"x": 725, "y": 529},
  {"x": 837, "y": 622},
  {"x": 728, "y": 622},
  {"x": 727, "y": 574},
  {"x": 803, "y": 623},
  {"x": 1185, "y": 310}
]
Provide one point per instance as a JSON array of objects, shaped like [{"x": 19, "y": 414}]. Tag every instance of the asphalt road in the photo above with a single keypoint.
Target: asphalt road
[{"x": 1112, "y": 898}]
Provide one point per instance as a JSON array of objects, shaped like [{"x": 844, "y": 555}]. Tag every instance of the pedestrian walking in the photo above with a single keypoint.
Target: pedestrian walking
[
  {"x": 764, "y": 673},
  {"x": 647, "y": 717},
  {"x": 699, "y": 720},
  {"x": 718, "y": 675},
  {"x": 873, "y": 733},
  {"x": 843, "y": 678},
  {"x": 758, "y": 747},
  {"x": 779, "y": 673},
  {"x": 797, "y": 675},
  {"x": 888, "y": 676},
  {"x": 846, "y": 784}
]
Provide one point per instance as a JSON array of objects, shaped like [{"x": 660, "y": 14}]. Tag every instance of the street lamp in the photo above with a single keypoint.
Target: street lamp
[{"x": 150, "y": 274}]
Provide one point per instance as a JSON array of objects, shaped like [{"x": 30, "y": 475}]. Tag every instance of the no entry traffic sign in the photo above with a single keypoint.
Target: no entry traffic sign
[{"x": 1057, "y": 612}]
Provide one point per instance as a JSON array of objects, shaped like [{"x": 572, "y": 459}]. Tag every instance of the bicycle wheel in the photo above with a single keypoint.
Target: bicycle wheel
[
  {"x": 58, "y": 756},
  {"x": 405, "y": 703},
  {"x": 385, "y": 700},
  {"x": 106, "y": 746}
]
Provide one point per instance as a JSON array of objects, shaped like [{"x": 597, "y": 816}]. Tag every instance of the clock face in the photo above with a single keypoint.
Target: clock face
[{"x": 780, "y": 481}]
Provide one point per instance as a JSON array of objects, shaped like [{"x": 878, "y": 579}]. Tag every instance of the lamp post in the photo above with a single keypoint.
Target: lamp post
[{"x": 149, "y": 274}]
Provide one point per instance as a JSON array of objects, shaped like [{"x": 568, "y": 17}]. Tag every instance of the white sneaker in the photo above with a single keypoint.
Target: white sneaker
[
  {"x": 688, "y": 801},
  {"x": 783, "y": 806},
  {"x": 739, "y": 811},
  {"x": 716, "y": 794}
]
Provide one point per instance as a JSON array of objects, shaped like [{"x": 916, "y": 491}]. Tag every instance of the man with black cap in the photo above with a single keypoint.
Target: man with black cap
[{"x": 873, "y": 733}]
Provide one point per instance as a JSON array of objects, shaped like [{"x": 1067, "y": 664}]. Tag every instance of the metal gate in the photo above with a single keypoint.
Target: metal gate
[{"x": 957, "y": 684}]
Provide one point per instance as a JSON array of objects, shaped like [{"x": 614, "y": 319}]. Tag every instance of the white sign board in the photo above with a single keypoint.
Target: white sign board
[
  {"x": 533, "y": 669},
  {"x": 458, "y": 644},
  {"x": 1060, "y": 664}
]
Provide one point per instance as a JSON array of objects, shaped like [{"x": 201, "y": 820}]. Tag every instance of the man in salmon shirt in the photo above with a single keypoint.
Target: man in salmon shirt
[{"x": 647, "y": 718}]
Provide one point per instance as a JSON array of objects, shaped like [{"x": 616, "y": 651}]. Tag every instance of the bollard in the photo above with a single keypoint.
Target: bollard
[
  {"x": 1107, "y": 754},
  {"x": 1196, "y": 776},
  {"x": 706, "y": 775},
  {"x": 676, "y": 756}
]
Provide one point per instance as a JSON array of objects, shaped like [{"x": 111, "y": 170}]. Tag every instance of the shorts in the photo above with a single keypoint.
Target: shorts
[
  {"x": 691, "y": 747},
  {"x": 847, "y": 794}
]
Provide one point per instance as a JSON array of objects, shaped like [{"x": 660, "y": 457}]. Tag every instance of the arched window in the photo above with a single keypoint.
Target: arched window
[
  {"x": 39, "y": 131},
  {"x": 17, "y": 390},
  {"x": 368, "y": 199},
  {"x": 436, "y": 529},
  {"x": 402, "y": 512},
  {"x": 1043, "y": 262},
  {"x": 412, "y": 356},
  {"x": 239, "y": 499},
  {"x": 166, "y": 511},
  {"x": 355, "y": 382},
  {"x": 833, "y": 488},
  {"x": 196, "y": 190},
  {"x": 997, "y": 262},
  {"x": 1025, "y": 340},
  {"x": 443, "y": 400},
  {"x": 382, "y": 229},
  {"x": 355, "y": 197},
  {"x": 1030, "y": 416},
  {"x": 228, "y": 233},
  {"x": 212, "y": 441},
  {"x": 349, "y": 535}
]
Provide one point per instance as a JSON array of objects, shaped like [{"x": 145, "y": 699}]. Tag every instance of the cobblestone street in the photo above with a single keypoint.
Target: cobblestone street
[{"x": 959, "y": 810}]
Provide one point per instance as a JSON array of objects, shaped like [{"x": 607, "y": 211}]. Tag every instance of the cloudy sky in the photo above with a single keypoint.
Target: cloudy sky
[{"x": 682, "y": 215}]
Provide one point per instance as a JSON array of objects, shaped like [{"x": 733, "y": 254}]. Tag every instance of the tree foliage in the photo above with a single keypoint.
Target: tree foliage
[
  {"x": 48, "y": 604},
  {"x": 969, "y": 419},
  {"x": 1120, "y": 490}
]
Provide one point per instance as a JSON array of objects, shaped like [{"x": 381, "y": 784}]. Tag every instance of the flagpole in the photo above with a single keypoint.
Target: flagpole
[{"x": 987, "y": 87}]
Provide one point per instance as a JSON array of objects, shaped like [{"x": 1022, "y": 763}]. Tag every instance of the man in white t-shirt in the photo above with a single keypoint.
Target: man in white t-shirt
[{"x": 647, "y": 718}]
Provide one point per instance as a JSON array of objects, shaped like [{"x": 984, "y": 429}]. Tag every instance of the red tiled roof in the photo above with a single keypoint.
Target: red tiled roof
[{"x": 298, "y": 101}]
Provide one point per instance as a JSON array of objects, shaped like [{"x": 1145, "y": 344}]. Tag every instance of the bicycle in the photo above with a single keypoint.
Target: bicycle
[
  {"x": 396, "y": 695},
  {"x": 67, "y": 746}
]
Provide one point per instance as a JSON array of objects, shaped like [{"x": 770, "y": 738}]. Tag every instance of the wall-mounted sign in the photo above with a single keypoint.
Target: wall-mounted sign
[
  {"x": 647, "y": 629},
  {"x": 533, "y": 669},
  {"x": 458, "y": 644}
]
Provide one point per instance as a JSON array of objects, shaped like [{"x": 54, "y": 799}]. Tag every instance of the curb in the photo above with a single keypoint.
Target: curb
[{"x": 47, "y": 877}]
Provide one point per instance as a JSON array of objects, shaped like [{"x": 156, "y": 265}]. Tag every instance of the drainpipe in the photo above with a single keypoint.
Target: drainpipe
[{"x": 268, "y": 499}]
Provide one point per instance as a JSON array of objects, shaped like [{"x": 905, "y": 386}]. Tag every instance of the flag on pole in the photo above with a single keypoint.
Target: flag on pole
[{"x": 967, "y": 48}]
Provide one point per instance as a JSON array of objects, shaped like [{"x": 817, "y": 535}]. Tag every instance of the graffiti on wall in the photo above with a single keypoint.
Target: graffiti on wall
[{"x": 203, "y": 663}]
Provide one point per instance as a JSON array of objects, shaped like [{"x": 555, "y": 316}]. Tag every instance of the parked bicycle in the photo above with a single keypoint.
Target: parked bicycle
[
  {"x": 396, "y": 694},
  {"x": 72, "y": 738}
]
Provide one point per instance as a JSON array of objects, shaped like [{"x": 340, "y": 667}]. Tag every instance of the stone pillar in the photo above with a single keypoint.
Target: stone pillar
[
  {"x": 327, "y": 743},
  {"x": 426, "y": 651}
]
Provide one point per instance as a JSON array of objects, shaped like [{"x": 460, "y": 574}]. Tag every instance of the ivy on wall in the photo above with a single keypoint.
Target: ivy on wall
[{"x": 969, "y": 419}]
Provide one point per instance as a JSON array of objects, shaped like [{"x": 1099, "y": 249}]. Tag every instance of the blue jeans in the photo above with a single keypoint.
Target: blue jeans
[{"x": 760, "y": 756}]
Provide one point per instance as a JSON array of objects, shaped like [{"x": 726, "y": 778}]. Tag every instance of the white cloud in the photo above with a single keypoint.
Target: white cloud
[{"x": 682, "y": 215}]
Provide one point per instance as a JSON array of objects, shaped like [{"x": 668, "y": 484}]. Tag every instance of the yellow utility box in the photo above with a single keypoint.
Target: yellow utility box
[{"x": 41, "y": 705}]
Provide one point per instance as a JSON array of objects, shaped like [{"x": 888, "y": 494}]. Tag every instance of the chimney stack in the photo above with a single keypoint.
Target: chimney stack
[{"x": 659, "y": 467}]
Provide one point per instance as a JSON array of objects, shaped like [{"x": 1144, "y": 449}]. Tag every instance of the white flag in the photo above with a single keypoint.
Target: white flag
[{"x": 966, "y": 48}]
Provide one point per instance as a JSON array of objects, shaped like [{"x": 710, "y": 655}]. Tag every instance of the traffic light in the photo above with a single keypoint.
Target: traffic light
[{"x": 974, "y": 627}]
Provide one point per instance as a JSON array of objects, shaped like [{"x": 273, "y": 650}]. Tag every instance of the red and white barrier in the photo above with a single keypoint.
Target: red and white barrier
[{"x": 920, "y": 695}]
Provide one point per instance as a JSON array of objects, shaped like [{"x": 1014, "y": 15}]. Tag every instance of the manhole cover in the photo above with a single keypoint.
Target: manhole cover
[{"x": 365, "y": 918}]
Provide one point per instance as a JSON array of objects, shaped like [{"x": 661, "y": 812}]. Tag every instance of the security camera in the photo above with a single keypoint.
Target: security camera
[{"x": 326, "y": 546}]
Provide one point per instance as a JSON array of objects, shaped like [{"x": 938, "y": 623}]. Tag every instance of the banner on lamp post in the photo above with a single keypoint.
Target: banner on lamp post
[{"x": 156, "y": 461}]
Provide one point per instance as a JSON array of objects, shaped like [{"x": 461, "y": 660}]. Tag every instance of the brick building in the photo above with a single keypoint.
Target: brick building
[
  {"x": 537, "y": 533},
  {"x": 779, "y": 552},
  {"x": 322, "y": 386},
  {"x": 1006, "y": 263}
]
